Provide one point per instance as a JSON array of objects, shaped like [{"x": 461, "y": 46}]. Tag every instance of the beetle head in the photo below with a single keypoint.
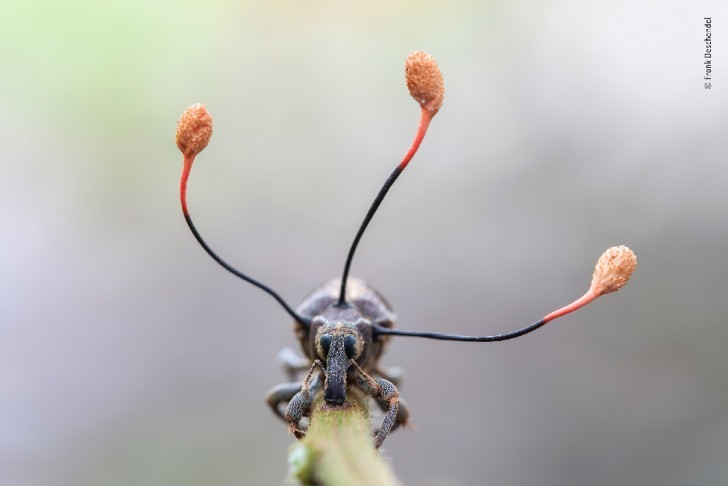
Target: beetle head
[{"x": 340, "y": 335}]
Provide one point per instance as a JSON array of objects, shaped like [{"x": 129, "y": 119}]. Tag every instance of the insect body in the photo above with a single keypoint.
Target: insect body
[
  {"x": 342, "y": 343},
  {"x": 344, "y": 325}
]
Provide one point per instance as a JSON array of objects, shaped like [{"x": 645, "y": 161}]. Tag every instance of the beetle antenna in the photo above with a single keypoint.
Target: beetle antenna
[
  {"x": 425, "y": 84},
  {"x": 612, "y": 271},
  {"x": 194, "y": 131}
]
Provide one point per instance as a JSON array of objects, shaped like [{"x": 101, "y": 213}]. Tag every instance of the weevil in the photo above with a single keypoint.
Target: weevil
[{"x": 344, "y": 325}]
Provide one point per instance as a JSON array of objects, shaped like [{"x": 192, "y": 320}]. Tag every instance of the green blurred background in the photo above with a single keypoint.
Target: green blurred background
[{"x": 127, "y": 357}]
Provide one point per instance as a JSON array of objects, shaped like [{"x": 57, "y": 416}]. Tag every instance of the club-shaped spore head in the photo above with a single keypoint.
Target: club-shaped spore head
[
  {"x": 194, "y": 130},
  {"x": 424, "y": 81},
  {"x": 613, "y": 270}
]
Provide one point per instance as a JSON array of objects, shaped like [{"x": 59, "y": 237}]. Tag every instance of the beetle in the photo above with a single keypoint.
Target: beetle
[
  {"x": 344, "y": 325},
  {"x": 342, "y": 342}
]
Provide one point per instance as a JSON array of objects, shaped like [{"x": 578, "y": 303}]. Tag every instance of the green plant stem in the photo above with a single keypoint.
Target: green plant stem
[{"x": 338, "y": 448}]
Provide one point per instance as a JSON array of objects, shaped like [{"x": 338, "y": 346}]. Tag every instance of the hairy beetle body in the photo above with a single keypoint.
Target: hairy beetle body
[{"x": 342, "y": 351}]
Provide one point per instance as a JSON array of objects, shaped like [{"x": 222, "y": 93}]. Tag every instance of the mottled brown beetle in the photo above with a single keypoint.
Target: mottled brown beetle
[
  {"x": 344, "y": 325},
  {"x": 342, "y": 342}
]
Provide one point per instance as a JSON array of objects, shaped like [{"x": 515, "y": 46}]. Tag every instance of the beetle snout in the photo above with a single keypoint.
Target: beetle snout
[
  {"x": 337, "y": 365},
  {"x": 335, "y": 396}
]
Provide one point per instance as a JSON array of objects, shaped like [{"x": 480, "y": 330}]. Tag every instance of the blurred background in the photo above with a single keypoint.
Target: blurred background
[{"x": 127, "y": 357}]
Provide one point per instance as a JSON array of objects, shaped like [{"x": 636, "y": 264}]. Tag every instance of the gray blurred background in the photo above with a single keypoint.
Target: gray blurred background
[{"x": 127, "y": 357}]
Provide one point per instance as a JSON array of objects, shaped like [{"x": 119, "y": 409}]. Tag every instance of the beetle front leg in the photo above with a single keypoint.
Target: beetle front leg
[
  {"x": 384, "y": 389},
  {"x": 282, "y": 393},
  {"x": 301, "y": 404},
  {"x": 403, "y": 413}
]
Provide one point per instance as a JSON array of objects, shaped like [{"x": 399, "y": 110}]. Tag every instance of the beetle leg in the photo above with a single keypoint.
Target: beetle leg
[
  {"x": 403, "y": 412},
  {"x": 302, "y": 402},
  {"x": 279, "y": 394},
  {"x": 384, "y": 389},
  {"x": 292, "y": 363},
  {"x": 393, "y": 374}
]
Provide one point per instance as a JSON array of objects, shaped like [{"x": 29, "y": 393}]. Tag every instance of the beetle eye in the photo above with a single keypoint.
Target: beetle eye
[
  {"x": 350, "y": 345},
  {"x": 325, "y": 343}
]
